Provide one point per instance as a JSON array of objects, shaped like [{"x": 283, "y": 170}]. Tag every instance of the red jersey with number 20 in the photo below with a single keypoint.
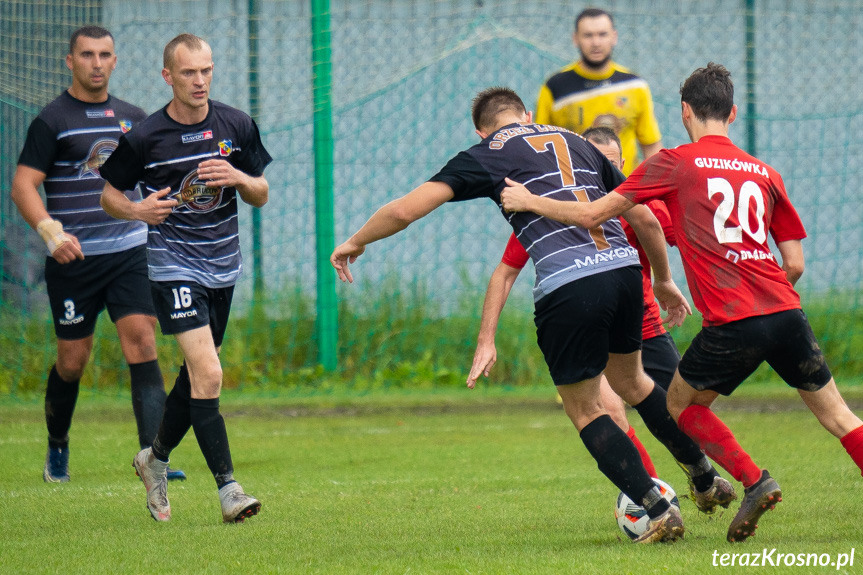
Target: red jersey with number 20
[{"x": 722, "y": 203}]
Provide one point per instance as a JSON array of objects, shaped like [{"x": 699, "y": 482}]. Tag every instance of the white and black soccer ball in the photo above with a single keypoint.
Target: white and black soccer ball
[{"x": 631, "y": 518}]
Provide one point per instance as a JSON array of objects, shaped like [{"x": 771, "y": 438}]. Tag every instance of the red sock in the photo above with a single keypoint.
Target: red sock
[
  {"x": 717, "y": 441},
  {"x": 853, "y": 444},
  {"x": 645, "y": 458}
]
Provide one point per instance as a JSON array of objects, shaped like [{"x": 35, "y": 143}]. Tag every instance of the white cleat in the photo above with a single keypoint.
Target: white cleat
[
  {"x": 236, "y": 505},
  {"x": 154, "y": 475}
]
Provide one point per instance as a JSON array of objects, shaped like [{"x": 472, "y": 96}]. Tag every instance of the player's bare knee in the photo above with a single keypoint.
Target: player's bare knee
[{"x": 71, "y": 368}]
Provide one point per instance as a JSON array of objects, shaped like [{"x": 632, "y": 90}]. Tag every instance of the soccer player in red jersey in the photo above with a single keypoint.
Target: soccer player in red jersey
[
  {"x": 723, "y": 202},
  {"x": 659, "y": 354}
]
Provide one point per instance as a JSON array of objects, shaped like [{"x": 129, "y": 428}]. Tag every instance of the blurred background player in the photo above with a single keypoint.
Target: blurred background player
[
  {"x": 596, "y": 91},
  {"x": 588, "y": 316},
  {"x": 722, "y": 203},
  {"x": 204, "y": 154},
  {"x": 94, "y": 261}
]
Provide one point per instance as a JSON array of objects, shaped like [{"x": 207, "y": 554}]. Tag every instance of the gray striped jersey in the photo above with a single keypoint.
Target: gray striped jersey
[
  {"x": 199, "y": 241},
  {"x": 69, "y": 141},
  {"x": 554, "y": 162}
]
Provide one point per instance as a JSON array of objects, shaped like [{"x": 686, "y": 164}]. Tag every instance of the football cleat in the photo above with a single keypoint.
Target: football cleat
[
  {"x": 236, "y": 505},
  {"x": 665, "y": 528},
  {"x": 154, "y": 475},
  {"x": 176, "y": 475},
  {"x": 56, "y": 465},
  {"x": 757, "y": 500},
  {"x": 720, "y": 494}
]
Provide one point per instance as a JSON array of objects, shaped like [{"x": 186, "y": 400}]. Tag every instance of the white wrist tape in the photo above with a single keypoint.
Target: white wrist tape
[{"x": 52, "y": 232}]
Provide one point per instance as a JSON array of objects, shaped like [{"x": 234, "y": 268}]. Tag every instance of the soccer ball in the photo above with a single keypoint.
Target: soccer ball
[{"x": 631, "y": 518}]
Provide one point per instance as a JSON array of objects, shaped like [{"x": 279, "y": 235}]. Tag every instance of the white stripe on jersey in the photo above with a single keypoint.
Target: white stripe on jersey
[
  {"x": 563, "y": 250},
  {"x": 113, "y": 222},
  {"x": 89, "y": 131},
  {"x": 63, "y": 195},
  {"x": 87, "y": 211},
  {"x": 207, "y": 259},
  {"x": 73, "y": 179},
  {"x": 199, "y": 243},
  {"x": 113, "y": 239},
  {"x": 546, "y": 236},
  {"x": 178, "y": 160},
  {"x": 184, "y": 227},
  {"x": 601, "y": 90}
]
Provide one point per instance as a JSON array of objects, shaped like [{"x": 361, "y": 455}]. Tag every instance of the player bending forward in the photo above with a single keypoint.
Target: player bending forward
[
  {"x": 722, "y": 203},
  {"x": 205, "y": 154},
  {"x": 588, "y": 317}
]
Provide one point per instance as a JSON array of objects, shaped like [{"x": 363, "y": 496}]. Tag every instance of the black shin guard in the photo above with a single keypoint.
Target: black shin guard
[
  {"x": 148, "y": 399},
  {"x": 60, "y": 399},
  {"x": 654, "y": 412},
  {"x": 176, "y": 420},
  {"x": 616, "y": 457},
  {"x": 209, "y": 426}
]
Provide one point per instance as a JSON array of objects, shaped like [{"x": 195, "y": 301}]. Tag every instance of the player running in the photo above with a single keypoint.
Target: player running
[
  {"x": 195, "y": 157},
  {"x": 588, "y": 313},
  {"x": 94, "y": 261},
  {"x": 723, "y": 202},
  {"x": 659, "y": 354}
]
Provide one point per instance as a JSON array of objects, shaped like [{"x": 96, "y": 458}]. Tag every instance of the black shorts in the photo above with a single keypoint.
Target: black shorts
[
  {"x": 722, "y": 356},
  {"x": 80, "y": 290},
  {"x": 185, "y": 305},
  {"x": 580, "y": 323},
  {"x": 659, "y": 357}
]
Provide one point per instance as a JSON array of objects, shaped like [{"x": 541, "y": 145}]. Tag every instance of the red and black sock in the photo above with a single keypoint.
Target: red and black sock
[
  {"x": 853, "y": 444},
  {"x": 645, "y": 457}
]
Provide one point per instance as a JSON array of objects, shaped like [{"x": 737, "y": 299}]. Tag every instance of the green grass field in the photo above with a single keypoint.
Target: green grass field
[{"x": 455, "y": 482}]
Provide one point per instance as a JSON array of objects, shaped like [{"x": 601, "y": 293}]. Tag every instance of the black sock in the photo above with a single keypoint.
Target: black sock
[
  {"x": 148, "y": 399},
  {"x": 616, "y": 457},
  {"x": 176, "y": 420},
  {"x": 212, "y": 437},
  {"x": 654, "y": 412},
  {"x": 60, "y": 399}
]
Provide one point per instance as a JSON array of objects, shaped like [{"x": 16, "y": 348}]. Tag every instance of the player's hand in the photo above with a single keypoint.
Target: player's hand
[
  {"x": 220, "y": 174},
  {"x": 515, "y": 197},
  {"x": 68, "y": 251},
  {"x": 154, "y": 209},
  {"x": 346, "y": 253},
  {"x": 484, "y": 359},
  {"x": 672, "y": 301}
]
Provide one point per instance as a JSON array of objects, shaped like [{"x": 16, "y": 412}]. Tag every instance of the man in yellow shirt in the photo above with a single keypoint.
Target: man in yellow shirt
[{"x": 596, "y": 91}]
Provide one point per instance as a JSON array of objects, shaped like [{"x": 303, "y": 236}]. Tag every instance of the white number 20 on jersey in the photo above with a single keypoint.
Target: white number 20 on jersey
[{"x": 749, "y": 192}]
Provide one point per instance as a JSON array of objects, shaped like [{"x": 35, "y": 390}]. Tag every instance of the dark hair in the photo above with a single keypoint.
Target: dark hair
[
  {"x": 490, "y": 103},
  {"x": 190, "y": 41},
  {"x": 592, "y": 13},
  {"x": 95, "y": 32},
  {"x": 602, "y": 135},
  {"x": 710, "y": 92}
]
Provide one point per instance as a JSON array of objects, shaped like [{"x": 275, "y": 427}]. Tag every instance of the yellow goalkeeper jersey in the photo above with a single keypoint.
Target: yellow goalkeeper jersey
[{"x": 576, "y": 99}]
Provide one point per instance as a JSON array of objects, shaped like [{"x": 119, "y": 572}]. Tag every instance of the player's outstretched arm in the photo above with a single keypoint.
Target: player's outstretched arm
[
  {"x": 153, "y": 209},
  {"x": 389, "y": 220},
  {"x": 496, "y": 294},
  {"x": 254, "y": 190},
  {"x": 517, "y": 198},
  {"x": 62, "y": 245},
  {"x": 793, "y": 261}
]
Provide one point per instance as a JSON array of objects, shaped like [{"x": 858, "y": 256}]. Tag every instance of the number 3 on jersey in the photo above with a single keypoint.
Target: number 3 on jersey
[
  {"x": 749, "y": 192},
  {"x": 560, "y": 149}
]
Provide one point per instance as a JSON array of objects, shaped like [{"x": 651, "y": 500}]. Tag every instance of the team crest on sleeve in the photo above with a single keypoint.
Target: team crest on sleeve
[
  {"x": 225, "y": 148},
  {"x": 99, "y": 152},
  {"x": 125, "y": 125},
  {"x": 196, "y": 195}
]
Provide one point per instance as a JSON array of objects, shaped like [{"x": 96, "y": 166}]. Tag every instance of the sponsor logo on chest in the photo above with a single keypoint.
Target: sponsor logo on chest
[{"x": 197, "y": 137}]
